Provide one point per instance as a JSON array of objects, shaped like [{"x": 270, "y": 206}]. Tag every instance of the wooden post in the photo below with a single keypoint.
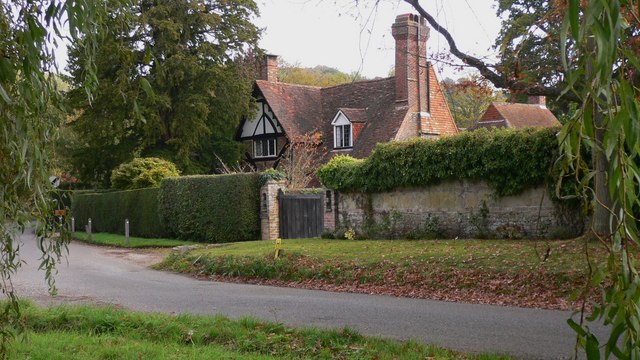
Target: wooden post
[
  {"x": 126, "y": 232},
  {"x": 89, "y": 237}
]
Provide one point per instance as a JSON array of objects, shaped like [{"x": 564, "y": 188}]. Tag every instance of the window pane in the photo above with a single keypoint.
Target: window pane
[
  {"x": 257, "y": 146},
  {"x": 338, "y": 133},
  {"x": 272, "y": 147},
  {"x": 347, "y": 135}
]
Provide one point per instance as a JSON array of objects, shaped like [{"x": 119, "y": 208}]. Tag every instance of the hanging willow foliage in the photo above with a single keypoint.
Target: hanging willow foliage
[
  {"x": 30, "y": 110},
  {"x": 606, "y": 80}
]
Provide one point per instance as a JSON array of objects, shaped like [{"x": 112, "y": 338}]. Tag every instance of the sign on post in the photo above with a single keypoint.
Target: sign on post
[{"x": 278, "y": 246}]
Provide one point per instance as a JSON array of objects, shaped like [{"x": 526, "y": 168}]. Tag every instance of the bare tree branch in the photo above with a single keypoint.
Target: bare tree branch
[{"x": 504, "y": 81}]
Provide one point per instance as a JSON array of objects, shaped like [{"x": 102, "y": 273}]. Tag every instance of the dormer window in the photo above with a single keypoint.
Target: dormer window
[{"x": 342, "y": 132}]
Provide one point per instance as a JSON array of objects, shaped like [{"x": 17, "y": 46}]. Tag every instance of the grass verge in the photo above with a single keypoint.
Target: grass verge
[
  {"x": 105, "y": 333},
  {"x": 522, "y": 273},
  {"x": 117, "y": 240}
]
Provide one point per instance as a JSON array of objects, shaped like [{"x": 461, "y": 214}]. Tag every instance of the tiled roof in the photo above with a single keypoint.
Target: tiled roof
[
  {"x": 297, "y": 107},
  {"x": 305, "y": 109},
  {"x": 377, "y": 98},
  {"x": 517, "y": 116},
  {"x": 355, "y": 115}
]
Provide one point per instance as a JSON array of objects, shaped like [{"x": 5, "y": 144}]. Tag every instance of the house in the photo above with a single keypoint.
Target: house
[
  {"x": 518, "y": 116},
  {"x": 350, "y": 118}
]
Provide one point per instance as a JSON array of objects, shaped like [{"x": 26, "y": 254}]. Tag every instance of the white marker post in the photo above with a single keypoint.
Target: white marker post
[
  {"x": 89, "y": 237},
  {"x": 73, "y": 224},
  {"x": 126, "y": 232}
]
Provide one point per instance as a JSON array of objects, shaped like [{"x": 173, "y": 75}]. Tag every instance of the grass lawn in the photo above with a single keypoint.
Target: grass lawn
[
  {"x": 134, "y": 242},
  {"x": 107, "y": 333},
  {"x": 513, "y": 272}
]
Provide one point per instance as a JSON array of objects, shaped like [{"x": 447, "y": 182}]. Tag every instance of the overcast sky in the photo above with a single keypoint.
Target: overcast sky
[
  {"x": 339, "y": 34},
  {"x": 351, "y": 38}
]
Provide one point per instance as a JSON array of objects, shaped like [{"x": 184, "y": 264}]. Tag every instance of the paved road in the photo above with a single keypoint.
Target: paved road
[{"x": 103, "y": 275}]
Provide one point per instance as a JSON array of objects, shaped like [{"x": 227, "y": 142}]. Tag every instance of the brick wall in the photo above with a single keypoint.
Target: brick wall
[
  {"x": 410, "y": 127},
  {"x": 457, "y": 206}
]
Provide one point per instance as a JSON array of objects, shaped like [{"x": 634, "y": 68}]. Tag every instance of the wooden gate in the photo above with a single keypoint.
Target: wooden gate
[{"x": 301, "y": 216}]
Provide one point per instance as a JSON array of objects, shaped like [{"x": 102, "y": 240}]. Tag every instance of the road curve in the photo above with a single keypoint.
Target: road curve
[{"x": 97, "y": 274}]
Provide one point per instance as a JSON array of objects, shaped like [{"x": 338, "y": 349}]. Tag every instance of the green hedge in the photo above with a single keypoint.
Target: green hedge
[
  {"x": 214, "y": 209},
  {"x": 508, "y": 160},
  {"x": 108, "y": 212}
]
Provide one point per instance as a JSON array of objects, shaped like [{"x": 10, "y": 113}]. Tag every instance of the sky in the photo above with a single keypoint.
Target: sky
[{"x": 351, "y": 38}]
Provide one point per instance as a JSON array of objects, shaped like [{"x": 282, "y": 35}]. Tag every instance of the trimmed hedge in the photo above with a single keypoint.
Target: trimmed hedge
[
  {"x": 108, "y": 212},
  {"x": 213, "y": 208},
  {"x": 508, "y": 160}
]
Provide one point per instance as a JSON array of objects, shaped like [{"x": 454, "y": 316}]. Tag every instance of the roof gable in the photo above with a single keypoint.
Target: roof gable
[
  {"x": 340, "y": 119},
  {"x": 263, "y": 122},
  {"x": 297, "y": 107},
  {"x": 517, "y": 116}
]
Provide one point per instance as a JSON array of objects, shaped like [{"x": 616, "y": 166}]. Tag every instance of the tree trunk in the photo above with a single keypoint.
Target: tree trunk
[{"x": 602, "y": 210}]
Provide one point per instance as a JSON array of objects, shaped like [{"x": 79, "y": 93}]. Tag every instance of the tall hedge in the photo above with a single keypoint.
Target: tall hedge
[
  {"x": 108, "y": 211},
  {"x": 213, "y": 208},
  {"x": 508, "y": 160}
]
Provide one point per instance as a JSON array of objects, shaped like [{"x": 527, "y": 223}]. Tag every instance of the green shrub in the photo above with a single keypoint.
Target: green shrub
[
  {"x": 272, "y": 174},
  {"x": 142, "y": 173},
  {"x": 508, "y": 160},
  {"x": 109, "y": 210},
  {"x": 213, "y": 208}
]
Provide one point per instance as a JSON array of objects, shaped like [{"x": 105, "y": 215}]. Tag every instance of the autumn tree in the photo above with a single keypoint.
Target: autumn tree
[
  {"x": 302, "y": 159},
  {"x": 469, "y": 98},
  {"x": 171, "y": 84},
  {"x": 322, "y": 76}
]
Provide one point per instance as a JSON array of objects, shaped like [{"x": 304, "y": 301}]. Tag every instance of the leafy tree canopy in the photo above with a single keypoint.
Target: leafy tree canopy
[
  {"x": 320, "y": 75},
  {"x": 469, "y": 98},
  {"x": 171, "y": 84},
  {"x": 141, "y": 173}
]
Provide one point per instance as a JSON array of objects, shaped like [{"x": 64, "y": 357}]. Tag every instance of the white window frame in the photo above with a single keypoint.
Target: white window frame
[
  {"x": 259, "y": 144},
  {"x": 339, "y": 136},
  {"x": 340, "y": 123}
]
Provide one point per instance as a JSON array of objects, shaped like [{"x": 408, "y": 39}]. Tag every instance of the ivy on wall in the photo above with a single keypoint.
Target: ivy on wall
[{"x": 509, "y": 160}]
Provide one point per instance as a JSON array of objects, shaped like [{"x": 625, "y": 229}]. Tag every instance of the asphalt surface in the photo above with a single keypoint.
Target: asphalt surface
[{"x": 108, "y": 276}]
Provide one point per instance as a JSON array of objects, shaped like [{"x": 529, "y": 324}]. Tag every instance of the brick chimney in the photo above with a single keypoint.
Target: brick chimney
[
  {"x": 411, "y": 34},
  {"x": 537, "y": 100},
  {"x": 268, "y": 68}
]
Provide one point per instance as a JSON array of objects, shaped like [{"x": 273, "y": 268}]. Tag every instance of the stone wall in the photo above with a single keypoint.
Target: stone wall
[
  {"x": 461, "y": 209},
  {"x": 270, "y": 209}
]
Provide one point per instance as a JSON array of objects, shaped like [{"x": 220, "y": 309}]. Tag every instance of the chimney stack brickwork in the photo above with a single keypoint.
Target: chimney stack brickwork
[
  {"x": 268, "y": 68},
  {"x": 537, "y": 100},
  {"x": 411, "y": 34}
]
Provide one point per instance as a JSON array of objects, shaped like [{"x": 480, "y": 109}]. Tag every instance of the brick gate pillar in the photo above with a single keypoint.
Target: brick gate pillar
[{"x": 270, "y": 209}]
